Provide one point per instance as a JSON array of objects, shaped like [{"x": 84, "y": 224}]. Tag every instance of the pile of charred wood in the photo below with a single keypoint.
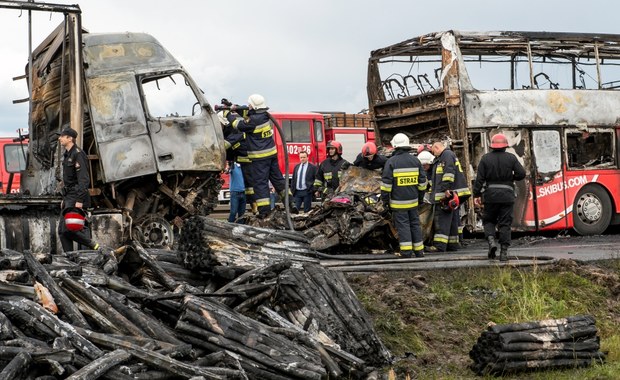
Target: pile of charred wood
[
  {"x": 351, "y": 221},
  {"x": 236, "y": 302},
  {"x": 549, "y": 344}
]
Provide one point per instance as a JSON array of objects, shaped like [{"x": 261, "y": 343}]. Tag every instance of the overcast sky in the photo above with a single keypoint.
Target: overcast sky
[{"x": 300, "y": 55}]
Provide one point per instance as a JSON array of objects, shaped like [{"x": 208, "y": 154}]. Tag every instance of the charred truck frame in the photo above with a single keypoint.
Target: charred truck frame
[
  {"x": 555, "y": 95},
  {"x": 154, "y": 144}
]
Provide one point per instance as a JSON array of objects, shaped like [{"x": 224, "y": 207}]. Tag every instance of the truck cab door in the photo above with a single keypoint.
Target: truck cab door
[{"x": 180, "y": 128}]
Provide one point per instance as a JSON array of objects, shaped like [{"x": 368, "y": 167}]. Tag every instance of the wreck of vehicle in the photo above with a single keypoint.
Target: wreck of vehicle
[
  {"x": 554, "y": 95},
  {"x": 154, "y": 144}
]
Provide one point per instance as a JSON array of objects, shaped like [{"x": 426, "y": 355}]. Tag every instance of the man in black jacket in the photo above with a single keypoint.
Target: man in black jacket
[
  {"x": 369, "y": 158},
  {"x": 76, "y": 182},
  {"x": 329, "y": 172},
  {"x": 302, "y": 183},
  {"x": 497, "y": 172}
]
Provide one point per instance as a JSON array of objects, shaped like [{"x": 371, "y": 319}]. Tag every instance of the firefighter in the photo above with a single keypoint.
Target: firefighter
[
  {"x": 495, "y": 183},
  {"x": 402, "y": 187},
  {"x": 369, "y": 158},
  {"x": 328, "y": 176},
  {"x": 73, "y": 226},
  {"x": 261, "y": 151},
  {"x": 448, "y": 183},
  {"x": 237, "y": 151}
]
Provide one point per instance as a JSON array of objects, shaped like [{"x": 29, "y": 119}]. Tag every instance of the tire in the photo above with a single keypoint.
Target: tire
[{"x": 592, "y": 211}]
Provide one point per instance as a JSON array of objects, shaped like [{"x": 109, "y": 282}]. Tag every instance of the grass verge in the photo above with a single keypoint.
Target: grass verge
[{"x": 430, "y": 329}]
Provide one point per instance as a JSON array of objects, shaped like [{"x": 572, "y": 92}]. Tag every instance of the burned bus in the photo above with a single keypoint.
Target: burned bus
[{"x": 554, "y": 95}]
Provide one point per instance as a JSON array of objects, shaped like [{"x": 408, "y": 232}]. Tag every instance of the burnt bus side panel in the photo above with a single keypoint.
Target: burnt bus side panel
[{"x": 542, "y": 107}]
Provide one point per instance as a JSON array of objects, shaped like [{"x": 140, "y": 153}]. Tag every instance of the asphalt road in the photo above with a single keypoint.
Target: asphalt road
[{"x": 525, "y": 251}]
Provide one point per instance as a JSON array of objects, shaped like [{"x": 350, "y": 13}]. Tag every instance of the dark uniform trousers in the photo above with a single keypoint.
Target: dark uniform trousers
[
  {"x": 262, "y": 170},
  {"x": 446, "y": 229},
  {"x": 410, "y": 236},
  {"x": 248, "y": 181},
  {"x": 499, "y": 214},
  {"x": 67, "y": 237}
]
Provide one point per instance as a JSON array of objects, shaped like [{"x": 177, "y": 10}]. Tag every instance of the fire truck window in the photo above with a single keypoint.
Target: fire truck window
[
  {"x": 318, "y": 131},
  {"x": 15, "y": 158},
  {"x": 547, "y": 152},
  {"x": 296, "y": 130},
  {"x": 590, "y": 149},
  {"x": 168, "y": 96}
]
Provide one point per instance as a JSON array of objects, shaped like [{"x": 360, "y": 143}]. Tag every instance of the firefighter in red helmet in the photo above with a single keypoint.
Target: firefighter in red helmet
[
  {"x": 369, "y": 158},
  {"x": 328, "y": 175},
  {"x": 495, "y": 184}
]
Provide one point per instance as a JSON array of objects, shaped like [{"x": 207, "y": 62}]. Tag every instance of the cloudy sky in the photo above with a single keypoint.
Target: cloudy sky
[{"x": 301, "y": 55}]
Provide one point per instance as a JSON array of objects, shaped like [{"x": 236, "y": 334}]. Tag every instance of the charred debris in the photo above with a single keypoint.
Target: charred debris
[{"x": 234, "y": 301}]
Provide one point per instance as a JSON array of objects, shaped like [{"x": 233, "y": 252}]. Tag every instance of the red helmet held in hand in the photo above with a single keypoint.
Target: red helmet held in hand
[
  {"x": 451, "y": 203},
  {"x": 369, "y": 149},
  {"x": 75, "y": 218}
]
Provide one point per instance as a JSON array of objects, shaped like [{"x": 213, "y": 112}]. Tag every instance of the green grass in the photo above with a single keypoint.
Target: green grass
[{"x": 441, "y": 323}]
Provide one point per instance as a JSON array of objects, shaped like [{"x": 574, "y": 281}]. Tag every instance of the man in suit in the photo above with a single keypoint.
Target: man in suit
[{"x": 304, "y": 175}]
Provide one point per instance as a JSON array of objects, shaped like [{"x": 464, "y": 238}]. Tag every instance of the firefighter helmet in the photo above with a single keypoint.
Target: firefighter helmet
[
  {"x": 75, "y": 218},
  {"x": 400, "y": 140},
  {"x": 335, "y": 144},
  {"x": 426, "y": 157},
  {"x": 369, "y": 149},
  {"x": 223, "y": 120},
  {"x": 450, "y": 203},
  {"x": 499, "y": 141},
  {"x": 257, "y": 101}
]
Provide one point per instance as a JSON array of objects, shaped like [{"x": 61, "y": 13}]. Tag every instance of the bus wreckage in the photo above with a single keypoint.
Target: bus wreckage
[{"x": 554, "y": 95}]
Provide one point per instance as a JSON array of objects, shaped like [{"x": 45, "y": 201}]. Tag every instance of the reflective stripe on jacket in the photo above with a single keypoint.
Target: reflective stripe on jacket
[{"x": 448, "y": 175}]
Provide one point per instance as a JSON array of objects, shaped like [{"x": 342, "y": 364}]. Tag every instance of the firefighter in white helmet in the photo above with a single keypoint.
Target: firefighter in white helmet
[
  {"x": 402, "y": 186},
  {"x": 262, "y": 151}
]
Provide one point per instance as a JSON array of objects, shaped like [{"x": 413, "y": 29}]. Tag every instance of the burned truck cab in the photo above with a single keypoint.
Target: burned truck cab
[{"x": 154, "y": 144}]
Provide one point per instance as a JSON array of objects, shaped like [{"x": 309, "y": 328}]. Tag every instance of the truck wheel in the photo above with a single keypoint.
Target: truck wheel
[
  {"x": 156, "y": 232},
  {"x": 591, "y": 211}
]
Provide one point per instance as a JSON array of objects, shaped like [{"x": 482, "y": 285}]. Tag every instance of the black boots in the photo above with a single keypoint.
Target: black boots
[
  {"x": 503, "y": 253},
  {"x": 492, "y": 247},
  {"x": 291, "y": 205}
]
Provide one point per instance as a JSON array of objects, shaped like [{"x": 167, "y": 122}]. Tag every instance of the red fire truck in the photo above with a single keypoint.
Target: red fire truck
[
  {"x": 13, "y": 155},
  {"x": 310, "y": 132}
]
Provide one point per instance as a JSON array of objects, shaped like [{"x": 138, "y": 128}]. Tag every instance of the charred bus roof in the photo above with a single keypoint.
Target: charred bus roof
[{"x": 510, "y": 42}]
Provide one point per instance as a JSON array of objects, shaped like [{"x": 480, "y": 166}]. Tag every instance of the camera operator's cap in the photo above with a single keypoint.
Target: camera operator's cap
[{"x": 68, "y": 132}]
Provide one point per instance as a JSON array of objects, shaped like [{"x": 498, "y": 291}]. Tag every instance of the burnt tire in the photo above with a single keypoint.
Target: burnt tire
[{"x": 592, "y": 211}]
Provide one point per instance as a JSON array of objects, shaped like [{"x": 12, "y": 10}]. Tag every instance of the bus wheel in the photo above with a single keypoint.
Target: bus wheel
[{"x": 591, "y": 211}]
